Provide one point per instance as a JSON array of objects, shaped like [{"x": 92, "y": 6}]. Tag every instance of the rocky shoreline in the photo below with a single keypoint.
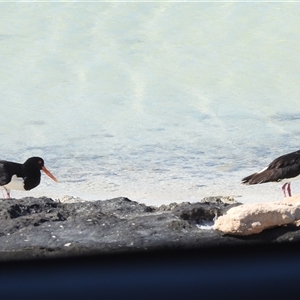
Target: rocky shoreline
[{"x": 42, "y": 228}]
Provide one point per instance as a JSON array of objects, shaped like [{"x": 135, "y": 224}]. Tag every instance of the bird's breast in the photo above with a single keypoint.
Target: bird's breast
[{"x": 16, "y": 183}]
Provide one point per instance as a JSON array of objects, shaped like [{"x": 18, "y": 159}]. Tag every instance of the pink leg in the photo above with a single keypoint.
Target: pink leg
[
  {"x": 289, "y": 189},
  {"x": 7, "y": 194},
  {"x": 283, "y": 189}
]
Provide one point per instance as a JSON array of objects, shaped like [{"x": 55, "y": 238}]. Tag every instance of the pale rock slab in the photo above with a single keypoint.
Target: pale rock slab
[
  {"x": 295, "y": 200},
  {"x": 253, "y": 218}
]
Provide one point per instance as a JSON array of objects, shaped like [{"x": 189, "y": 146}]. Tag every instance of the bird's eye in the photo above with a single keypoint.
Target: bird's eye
[{"x": 39, "y": 162}]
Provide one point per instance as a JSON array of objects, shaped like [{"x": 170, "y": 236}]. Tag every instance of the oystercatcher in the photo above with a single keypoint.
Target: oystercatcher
[
  {"x": 285, "y": 168},
  {"x": 15, "y": 176}
]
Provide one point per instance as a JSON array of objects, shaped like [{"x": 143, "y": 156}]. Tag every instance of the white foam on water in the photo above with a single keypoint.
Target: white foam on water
[{"x": 206, "y": 225}]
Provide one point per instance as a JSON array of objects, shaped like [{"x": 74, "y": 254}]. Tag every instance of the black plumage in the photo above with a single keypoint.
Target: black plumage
[
  {"x": 285, "y": 168},
  {"x": 24, "y": 176}
]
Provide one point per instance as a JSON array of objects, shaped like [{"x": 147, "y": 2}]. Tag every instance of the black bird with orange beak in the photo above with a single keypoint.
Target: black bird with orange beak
[{"x": 26, "y": 176}]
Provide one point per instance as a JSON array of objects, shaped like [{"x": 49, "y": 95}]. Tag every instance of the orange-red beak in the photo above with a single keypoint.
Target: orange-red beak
[{"x": 49, "y": 174}]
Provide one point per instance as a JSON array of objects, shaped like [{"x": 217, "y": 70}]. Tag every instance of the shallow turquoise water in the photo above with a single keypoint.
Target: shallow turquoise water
[{"x": 158, "y": 102}]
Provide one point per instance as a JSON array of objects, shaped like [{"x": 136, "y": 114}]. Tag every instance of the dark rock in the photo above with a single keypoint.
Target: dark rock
[{"x": 41, "y": 227}]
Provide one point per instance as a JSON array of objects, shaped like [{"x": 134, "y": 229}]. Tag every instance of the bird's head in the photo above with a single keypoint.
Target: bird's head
[{"x": 38, "y": 163}]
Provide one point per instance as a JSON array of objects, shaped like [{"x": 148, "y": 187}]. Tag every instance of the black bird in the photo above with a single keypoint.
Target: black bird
[
  {"x": 285, "y": 169},
  {"x": 26, "y": 176}
]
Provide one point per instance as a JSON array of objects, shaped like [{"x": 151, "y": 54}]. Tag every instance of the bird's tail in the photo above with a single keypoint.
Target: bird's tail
[{"x": 249, "y": 179}]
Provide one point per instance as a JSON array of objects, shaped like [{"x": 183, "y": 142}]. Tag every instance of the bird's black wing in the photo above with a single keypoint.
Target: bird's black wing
[
  {"x": 8, "y": 169},
  {"x": 283, "y": 167},
  {"x": 287, "y": 160}
]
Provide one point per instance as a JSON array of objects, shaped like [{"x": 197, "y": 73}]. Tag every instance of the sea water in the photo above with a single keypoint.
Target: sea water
[{"x": 155, "y": 101}]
